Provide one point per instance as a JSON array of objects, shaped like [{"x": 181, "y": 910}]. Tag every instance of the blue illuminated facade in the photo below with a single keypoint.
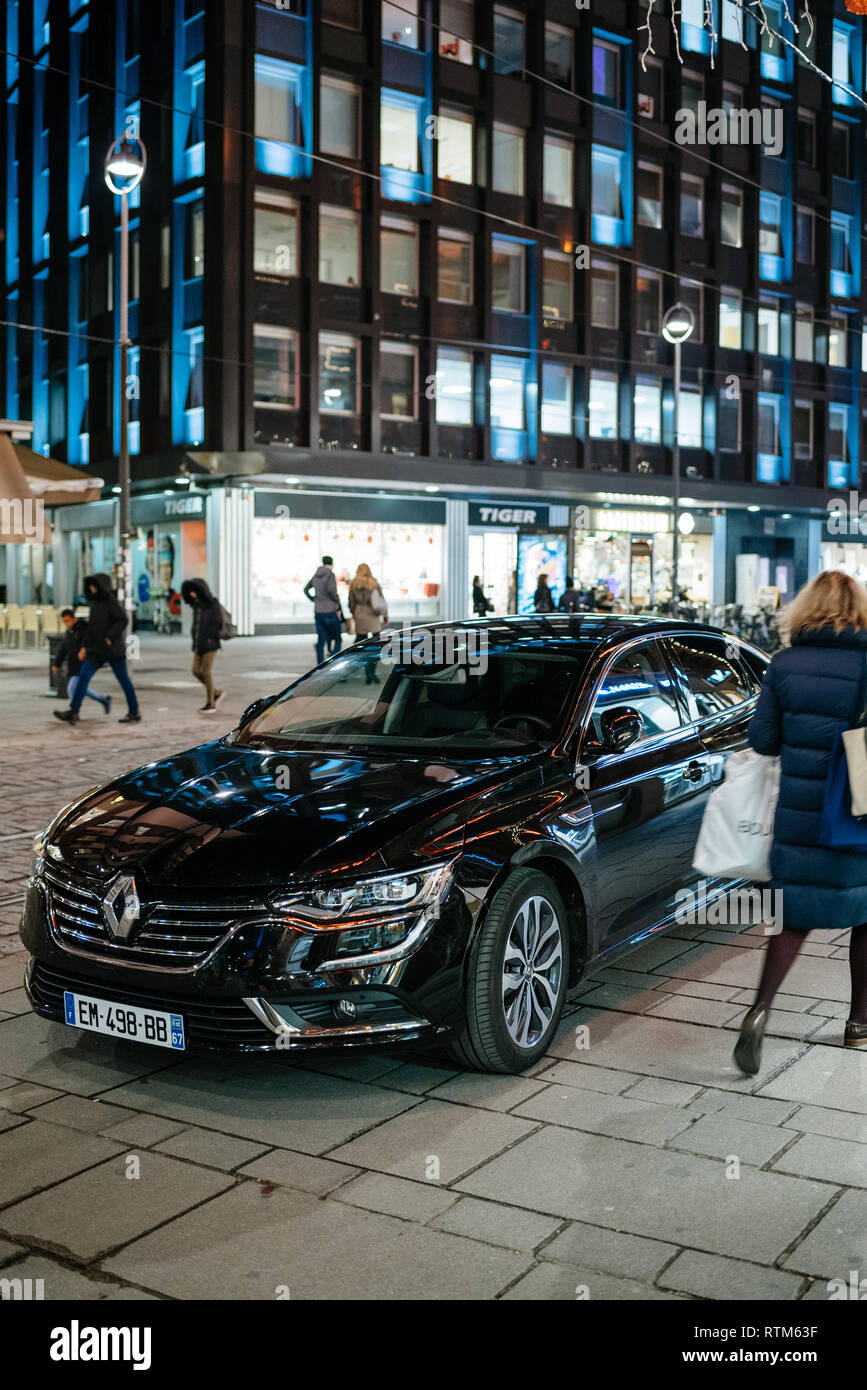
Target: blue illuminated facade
[{"x": 406, "y": 256}]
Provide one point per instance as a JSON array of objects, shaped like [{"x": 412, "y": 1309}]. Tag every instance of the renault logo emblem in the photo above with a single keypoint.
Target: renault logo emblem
[{"x": 121, "y": 906}]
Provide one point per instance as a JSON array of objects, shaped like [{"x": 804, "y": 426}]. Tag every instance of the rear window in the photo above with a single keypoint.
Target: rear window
[{"x": 715, "y": 676}]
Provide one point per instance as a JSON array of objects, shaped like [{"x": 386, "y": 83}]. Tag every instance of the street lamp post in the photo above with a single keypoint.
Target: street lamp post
[
  {"x": 124, "y": 167},
  {"x": 677, "y": 326}
]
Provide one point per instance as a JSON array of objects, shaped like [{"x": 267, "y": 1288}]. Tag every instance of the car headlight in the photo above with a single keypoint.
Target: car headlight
[{"x": 374, "y": 920}]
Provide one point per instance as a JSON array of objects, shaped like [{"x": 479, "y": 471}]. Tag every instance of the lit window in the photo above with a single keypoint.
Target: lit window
[
  {"x": 837, "y": 353},
  {"x": 454, "y": 387},
  {"x": 769, "y": 329},
  {"x": 841, "y": 60},
  {"x": 400, "y": 23},
  {"x": 338, "y": 373},
  {"x": 454, "y": 132},
  {"x": 839, "y": 454},
  {"x": 691, "y": 293},
  {"x": 768, "y": 430},
  {"x": 398, "y": 363},
  {"x": 508, "y": 381},
  {"x": 607, "y": 181},
  {"x": 398, "y": 256},
  {"x": 556, "y": 398},
  {"x": 339, "y": 246},
  {"x": 398, "y": 128},
  {"x": 841, "y": 252},
  {"x": 275, "y": 378},
  {"x": 508, "y": 164},
  {"x": 607, "y": 73},
  {"x": 689, "y": 418},
  {"x": 558, "y": 158},
  {"x": 454, "y": 266},
  {"x": 508, "y": 278},
  {"x": 556, "y": 285},
  {"x": 730, "y": 319},
  {"x": 770, "y": 230},
  {"x": 456, "y": 30},
  {"x": 278, "y": 101},
  {"x": 194, "y": 241},
  {"x": 603, "y": 406},
  {"x": 805, "y": 350},
  {"x": 339, "y": 117},
  {"x": 648, "y": 410},
  {"x": 275, "y": 235}
]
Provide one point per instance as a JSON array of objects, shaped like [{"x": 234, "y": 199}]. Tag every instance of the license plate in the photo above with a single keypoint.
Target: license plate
[{"x": 124, "y": 1021}]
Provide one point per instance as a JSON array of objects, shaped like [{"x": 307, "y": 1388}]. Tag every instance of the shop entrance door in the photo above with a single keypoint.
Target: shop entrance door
[{"x": 493, "y": 555}]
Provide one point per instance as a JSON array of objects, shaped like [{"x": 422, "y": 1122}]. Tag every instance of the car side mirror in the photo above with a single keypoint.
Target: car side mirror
[
  {"x": 620, "y": 728},
  {"x": 258, "y": 707}
]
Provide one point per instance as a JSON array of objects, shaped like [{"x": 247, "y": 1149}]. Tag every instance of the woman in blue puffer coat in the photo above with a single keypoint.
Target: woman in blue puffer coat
[{"x": 813, "y": 690}]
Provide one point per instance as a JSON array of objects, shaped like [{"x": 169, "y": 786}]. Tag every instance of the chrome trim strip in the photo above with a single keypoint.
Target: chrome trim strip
[{"x": 279, "y": 1027}]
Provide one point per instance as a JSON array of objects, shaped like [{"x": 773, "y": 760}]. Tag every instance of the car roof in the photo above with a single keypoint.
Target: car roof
[{"x": 603, "y": 628}]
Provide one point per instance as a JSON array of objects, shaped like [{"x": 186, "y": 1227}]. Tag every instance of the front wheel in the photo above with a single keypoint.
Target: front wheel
[{"x": 517, "y": 978}]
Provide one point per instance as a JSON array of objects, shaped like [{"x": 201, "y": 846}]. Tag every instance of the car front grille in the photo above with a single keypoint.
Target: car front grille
[
  {"x": 209, "y": 1023},
  {"x": 171, "y": 935}
]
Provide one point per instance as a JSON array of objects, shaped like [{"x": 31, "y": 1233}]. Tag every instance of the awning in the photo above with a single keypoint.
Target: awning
[
  {"x": 22, "y": 516},
  {"x": 54, "y": 483},
  {"x": 227, "y": 464}
]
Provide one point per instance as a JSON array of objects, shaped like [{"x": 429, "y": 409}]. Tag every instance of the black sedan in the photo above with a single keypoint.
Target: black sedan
[{"x": 426, "y": 839}]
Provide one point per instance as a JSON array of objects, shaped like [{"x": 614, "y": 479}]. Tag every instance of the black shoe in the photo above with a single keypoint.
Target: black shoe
[
  {"x": 130, "y": 719},
  {"x": 208, "y": 709},
  {"x": 67, "y": 715},
  {"x": 107, "y": 706},
  {"x": 218, "y": 695},
  {"x": 855, "y": 1034},
  {"x": 748, "y": 1049}
]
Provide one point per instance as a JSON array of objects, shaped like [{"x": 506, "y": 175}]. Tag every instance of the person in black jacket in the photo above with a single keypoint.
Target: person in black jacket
[
  {"x": 570, "y": 599},
  {"x": 103, "y": 642},
  {"x": 481, "y": 603},
  {"x": 68, "y": 655},
  {"x": 543, "y": 599},
  {"x": 207, "y": 626},
  {"x": 813, "y": 690}
]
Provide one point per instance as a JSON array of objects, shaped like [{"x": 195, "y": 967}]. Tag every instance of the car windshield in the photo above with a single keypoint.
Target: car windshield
[{"x": 457, "y": 689}]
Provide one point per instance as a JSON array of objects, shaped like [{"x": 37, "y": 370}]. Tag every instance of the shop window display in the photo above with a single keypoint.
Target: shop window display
[{"x": 406, "y": 559}]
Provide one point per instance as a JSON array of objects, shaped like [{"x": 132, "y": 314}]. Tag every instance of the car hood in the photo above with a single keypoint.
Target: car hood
[{"x": 237, "y": 817}]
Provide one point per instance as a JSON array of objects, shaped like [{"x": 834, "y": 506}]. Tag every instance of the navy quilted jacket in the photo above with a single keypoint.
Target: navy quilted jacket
[{"x": 812, "y": 691}]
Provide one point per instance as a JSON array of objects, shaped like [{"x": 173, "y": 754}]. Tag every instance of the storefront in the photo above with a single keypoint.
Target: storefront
[
  {"x": 509, "y": 544},
  {"x": 170, "y": 546},
  {"x": 400, "y": 539},
  {"x": 630, "y": 552}
]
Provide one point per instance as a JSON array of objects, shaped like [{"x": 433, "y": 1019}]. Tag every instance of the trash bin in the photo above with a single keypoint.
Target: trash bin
[{"x": 56, "y": 679}]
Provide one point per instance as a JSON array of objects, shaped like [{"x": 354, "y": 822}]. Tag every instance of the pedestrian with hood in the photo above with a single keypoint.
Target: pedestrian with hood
[
  {"x": 68, "y": 654},
  {"x": 207, "y": 627},
  {"x": 543, "y": 599},
  {"x": 813, "y": 690},
  {"x": 103, "y": 643},
  {"x": 369, "y": 611},
  {"x": 327, "y": 609}
]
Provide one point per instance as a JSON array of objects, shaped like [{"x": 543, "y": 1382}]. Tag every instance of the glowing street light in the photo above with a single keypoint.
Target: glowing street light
[{"x": 678, "y": 325}]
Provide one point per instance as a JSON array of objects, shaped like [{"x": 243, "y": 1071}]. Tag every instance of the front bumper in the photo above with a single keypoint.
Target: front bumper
[{"x": 241, "y": 999}]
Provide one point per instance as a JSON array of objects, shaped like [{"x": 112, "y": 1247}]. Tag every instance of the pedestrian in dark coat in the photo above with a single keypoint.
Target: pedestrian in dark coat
[
  {"x": 813, "y": 690},
  {"x": 68, "y": 654},
  {"x": 570, "y": 599},
  {"x": 207, "y": 626},
  {"x": 543, "y": 599},
  {"x": 103, "y": 643}
]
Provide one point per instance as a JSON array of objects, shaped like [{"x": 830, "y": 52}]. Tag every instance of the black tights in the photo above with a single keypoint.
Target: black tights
[{"x": 781, "y": 953}]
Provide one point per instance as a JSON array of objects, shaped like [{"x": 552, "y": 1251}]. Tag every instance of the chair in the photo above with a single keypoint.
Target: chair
[
  {"x": 30, "y": 622},
  {"x": 51, "y": 624},
  {"x": 13, "y": 625}
]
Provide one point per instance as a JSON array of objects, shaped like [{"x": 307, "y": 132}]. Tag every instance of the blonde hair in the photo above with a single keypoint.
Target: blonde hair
[
  {"x": 832, "y": 599},
  {"x": 363, "y": 578}
]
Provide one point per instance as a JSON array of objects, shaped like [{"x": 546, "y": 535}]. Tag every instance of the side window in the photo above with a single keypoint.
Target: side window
[
  {"x": 640, "y": 678},
  {"x": 755, "y": 667},
  {"x": 716, "y": 681}
]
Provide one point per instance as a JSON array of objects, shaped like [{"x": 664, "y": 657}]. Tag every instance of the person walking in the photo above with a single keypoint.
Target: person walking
[
  {"x": 327, "y": 609},
  {"x": 570, "y": 599},
  {"x": 69, "y": 655},
  {"x": 369, "y": 611},
  {"x": 481, "y": 603},
  {"x": 813, "y": 690},
  {"x": 207, "y": 626},
  {"x": 543, "y": 599},
  {"x": 103, "y": 642}
]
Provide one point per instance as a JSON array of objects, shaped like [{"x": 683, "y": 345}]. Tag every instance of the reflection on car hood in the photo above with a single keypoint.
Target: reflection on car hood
[{"x": 233, "y": 816}]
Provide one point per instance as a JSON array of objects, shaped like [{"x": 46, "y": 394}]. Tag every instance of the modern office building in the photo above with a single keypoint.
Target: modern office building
[{"x": 416, "y": 256}]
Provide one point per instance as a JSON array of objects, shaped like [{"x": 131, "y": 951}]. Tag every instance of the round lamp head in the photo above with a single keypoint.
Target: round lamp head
[
  {"x": 125, "y": 164},
  {"x": 678, "y": 323},
  {"x": 686, "y": 523}
]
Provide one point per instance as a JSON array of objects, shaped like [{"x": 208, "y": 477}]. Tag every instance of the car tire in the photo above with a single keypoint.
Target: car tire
[{"x": 512, "y": 1015}]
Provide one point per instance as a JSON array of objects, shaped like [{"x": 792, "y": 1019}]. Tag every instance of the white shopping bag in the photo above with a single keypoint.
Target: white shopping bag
[{"x": 738, "y": 823}]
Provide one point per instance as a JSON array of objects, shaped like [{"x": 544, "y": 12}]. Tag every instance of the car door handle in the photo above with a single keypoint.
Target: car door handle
[{"x": 693, "y": 772}]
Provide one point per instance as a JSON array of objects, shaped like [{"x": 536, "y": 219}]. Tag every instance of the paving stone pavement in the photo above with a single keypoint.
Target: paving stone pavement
[{"x": 633, "y": 1162}]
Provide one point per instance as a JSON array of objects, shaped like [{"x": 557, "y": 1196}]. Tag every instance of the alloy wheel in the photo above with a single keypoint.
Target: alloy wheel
[{"x": 532, "y": 971}]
